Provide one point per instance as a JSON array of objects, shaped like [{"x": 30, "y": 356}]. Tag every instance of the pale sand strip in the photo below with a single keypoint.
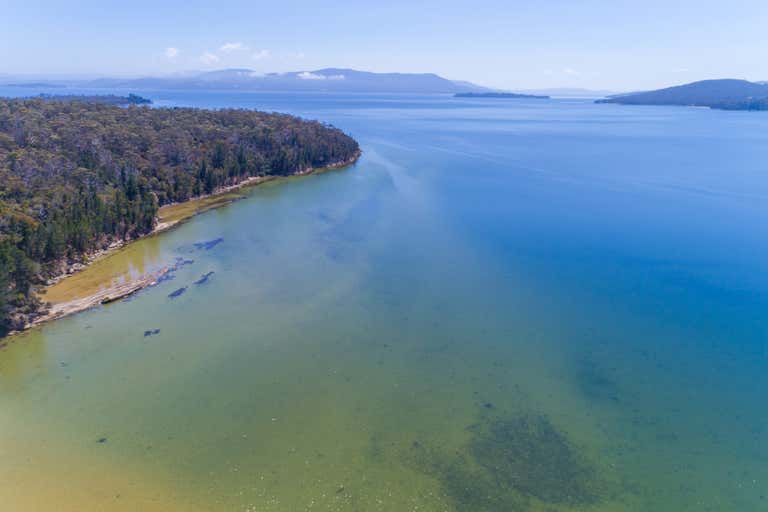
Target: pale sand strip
[{"x": 105, "y": 296}]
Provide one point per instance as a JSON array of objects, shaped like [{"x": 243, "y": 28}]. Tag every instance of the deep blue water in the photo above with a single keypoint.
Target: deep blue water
[{"x": 614, "y": 257}]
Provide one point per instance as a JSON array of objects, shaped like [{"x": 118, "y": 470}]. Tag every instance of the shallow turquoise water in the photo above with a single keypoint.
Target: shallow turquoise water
[{"x": 602, "y": 267}]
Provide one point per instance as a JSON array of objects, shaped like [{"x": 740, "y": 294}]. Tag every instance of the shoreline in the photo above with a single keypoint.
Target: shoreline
[
  {"x": 219, "y": 197},
  {"x": 175, "y": 214},
  {"x": 106, "y": 296}
]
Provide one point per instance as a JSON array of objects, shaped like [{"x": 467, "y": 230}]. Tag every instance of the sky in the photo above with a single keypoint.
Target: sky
[{"x": 614, "y": 45}]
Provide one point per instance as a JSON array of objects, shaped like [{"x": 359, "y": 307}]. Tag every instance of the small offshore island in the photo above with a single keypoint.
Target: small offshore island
[
  {"x": 80, "y": 175},
  {"x": 507, "y": 95},
  {"x": 105, "y": 99}
]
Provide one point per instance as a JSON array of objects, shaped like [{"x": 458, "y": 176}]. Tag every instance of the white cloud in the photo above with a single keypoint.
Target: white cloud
[
  {"x": 209, "y": 58},
  {"x": 232, "y": 47},
  {"x": 171, "y": 52},
  {"x": 261, "y": 54},
  {"x": 570, "y": 71},
  {"x": 306, "y": 75}
]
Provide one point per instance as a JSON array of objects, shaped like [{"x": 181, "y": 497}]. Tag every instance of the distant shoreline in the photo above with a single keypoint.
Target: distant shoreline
[
  {"x": 175, "y": 215},
  {"x": 500, "y": 95}
]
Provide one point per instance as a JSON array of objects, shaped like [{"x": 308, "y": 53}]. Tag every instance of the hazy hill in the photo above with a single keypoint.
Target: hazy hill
[
  {"x": 729, "y": 94},
  {"x": 329, "y": 79}
]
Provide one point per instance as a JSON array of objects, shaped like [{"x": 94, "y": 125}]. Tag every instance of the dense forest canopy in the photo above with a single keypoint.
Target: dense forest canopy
[{"x": 76, "y": 175}]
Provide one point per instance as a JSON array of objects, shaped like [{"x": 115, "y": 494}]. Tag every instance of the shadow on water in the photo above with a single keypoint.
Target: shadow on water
[{"x": 519, "y": 462}]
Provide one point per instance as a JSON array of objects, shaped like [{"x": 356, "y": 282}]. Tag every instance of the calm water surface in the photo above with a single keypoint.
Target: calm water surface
[{"x": 523, "y": 305}]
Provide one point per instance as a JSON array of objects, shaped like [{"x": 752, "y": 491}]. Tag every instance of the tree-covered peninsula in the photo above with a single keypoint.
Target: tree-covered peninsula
[
  {"x": 76, "y": 176},
  {"x": 723, "y": 94}
]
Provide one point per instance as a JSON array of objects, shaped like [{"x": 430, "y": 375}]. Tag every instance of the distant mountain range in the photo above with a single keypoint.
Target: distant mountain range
[
  {"x": 726, "y": 94},
  {"x": 329, "y": 79}
]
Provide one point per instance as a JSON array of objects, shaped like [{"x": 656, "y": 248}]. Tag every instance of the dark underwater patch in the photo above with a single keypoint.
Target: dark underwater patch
[
  {"x": 180, "y": 262},
  {"x": 204, "y": 278},
  {"x": 597, "y": 384},
  {"x": 208, "y": 244},
  {"x": 511, "y": 463},
  {"x": 464, "y": 484},
  {"x": 528, "y": 454},
  {"x": 323, "y": 216},
  {"x": 177, "y": 293},
  {"x": 168, "y": 276}
]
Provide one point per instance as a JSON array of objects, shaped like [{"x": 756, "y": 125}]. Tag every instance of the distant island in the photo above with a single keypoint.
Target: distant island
[
  {"x": 35, "y": 85},
  {"x": 106, "y": 99},
  {"x": 507, "y": 95},
  {"x": 79, "y": 176},
  {"x": 569, "y": 92},
  {"x": 724, "y": 94},
  {"x": 320, "y": 80}
]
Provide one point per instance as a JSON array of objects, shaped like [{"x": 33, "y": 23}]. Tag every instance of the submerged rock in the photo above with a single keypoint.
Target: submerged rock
[
  {"x": 168, "y": 276},
  {"x": 208, "y": 244},
  {"x": 177, "y": 293},
  {"x": 180, "y": 262},
  {"x": 204, "y": 278},
  {"x": 170, "y": 272}
]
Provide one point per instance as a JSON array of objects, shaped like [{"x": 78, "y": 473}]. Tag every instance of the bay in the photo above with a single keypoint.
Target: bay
[{"x": 581, "y": 287}]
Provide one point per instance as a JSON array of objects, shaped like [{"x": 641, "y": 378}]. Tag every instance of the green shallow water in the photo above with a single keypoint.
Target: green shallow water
[{"x": 497, "y": 308}]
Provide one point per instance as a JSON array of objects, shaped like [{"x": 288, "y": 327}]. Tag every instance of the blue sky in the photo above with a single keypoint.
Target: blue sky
[{"x": 616, "y": 44}]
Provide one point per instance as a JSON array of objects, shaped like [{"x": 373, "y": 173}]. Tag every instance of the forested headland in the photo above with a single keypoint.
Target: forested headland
[
  {"x": 723, "y": 94},
  {"x": 76, "y": 176}
]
